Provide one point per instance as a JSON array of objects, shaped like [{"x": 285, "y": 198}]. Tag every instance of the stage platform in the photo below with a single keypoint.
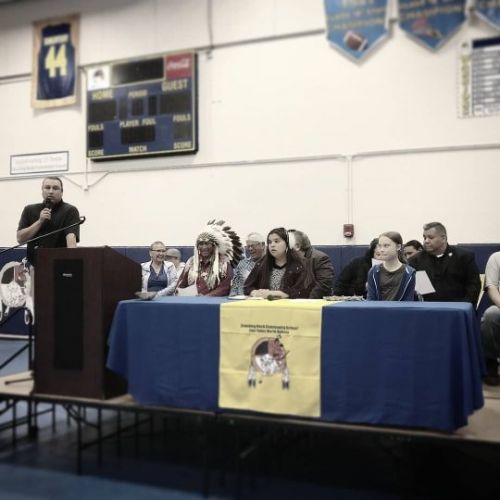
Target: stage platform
[
  {"x": 227, "y": 451},
  {"x": 483, "y": 427}
]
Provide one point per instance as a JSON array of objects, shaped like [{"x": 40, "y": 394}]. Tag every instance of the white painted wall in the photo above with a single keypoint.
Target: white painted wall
[{"x": 277, "y": 100}]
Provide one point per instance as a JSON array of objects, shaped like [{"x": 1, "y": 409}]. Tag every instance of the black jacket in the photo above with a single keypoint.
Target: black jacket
[
  {"x": 353, "y": 278},
  {"x": 321, "y": 269},
  {"x": 295, "y": 281},
  {"x": 455, "y": 275}
]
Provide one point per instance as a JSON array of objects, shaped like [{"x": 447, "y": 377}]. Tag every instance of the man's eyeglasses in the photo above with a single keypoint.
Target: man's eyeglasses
[{"x": 155, "y": 250}]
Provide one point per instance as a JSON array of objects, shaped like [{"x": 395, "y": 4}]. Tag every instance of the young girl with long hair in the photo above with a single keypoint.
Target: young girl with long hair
[{"x": 393, "y": 279}]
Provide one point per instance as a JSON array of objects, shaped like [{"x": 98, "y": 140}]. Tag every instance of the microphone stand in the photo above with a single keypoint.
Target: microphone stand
[
  {"x": 37, "y": 238},
  {"x": 30, "y": 326}
]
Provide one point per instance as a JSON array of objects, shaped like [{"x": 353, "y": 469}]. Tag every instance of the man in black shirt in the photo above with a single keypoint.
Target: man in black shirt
[
  {"x": 42, "y": 218},
  {"x": 452, "y": 270}
]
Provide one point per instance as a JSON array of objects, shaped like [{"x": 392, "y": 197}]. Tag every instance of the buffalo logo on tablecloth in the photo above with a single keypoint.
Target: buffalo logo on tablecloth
[{"x": 268, "y": 357}]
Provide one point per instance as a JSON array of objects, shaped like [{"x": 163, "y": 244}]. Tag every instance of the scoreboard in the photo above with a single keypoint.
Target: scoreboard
[{"x": 142, "y": 107}]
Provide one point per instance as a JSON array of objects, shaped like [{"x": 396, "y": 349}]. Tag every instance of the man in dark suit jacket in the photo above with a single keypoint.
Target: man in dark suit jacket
[
  {"x": 453, "y": 271},
  {"x": 319, "y": 265}
]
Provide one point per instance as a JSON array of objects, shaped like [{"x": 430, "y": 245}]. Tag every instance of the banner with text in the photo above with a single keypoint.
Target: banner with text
[
  {"x": 489, "y": 11},
  {"x": 431, "y": 22},
  {"x": 270, "y": 356},
  {"x": 355, "y": 27},
  {"x": 55, "y": 49}
]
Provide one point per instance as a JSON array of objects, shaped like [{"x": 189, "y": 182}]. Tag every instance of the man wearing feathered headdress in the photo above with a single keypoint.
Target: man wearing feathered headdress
[{"x": 218, "y": 249}]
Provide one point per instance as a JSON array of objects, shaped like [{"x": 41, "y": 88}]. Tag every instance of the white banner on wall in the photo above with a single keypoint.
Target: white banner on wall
[
  {"x": 479, "y": 78},
  {"x": 40, "y": 163}
]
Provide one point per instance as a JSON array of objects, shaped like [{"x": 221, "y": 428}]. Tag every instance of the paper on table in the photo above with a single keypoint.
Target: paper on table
[
  {"x": 189, "y": 291},
  {"x": 145, "y": 295},
  {"x": 423, "y": 284},
  {"x": 244, "y": 297}
]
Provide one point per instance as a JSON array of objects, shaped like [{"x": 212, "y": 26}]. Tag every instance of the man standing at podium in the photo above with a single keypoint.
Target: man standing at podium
[{"x": 52, "y": 214}]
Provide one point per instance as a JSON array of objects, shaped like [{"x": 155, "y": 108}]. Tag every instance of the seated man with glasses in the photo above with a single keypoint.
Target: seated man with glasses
[
  {"x": 157, "y": 275},
  {"x": 255, "y": 247}
]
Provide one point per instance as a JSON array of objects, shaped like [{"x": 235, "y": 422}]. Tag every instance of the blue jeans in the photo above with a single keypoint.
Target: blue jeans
[{"x": 490, "y": 332}]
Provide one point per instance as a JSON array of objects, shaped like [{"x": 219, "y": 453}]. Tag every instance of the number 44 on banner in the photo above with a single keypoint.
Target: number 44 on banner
[{"x": 55, "y": 62}]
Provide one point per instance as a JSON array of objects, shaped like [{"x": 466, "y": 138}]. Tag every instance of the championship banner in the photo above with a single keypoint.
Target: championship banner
[
  {"x": 355, "y": 27},
  {"x": 55, "y": 62},
  {"x": 488, "y": 11},
  {"x": 270, "y": 356},
  {"x": 431, "y": 22}
]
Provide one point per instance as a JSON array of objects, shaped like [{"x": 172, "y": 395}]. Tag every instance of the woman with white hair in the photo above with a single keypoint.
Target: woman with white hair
[{"x": 157, "y": 275}]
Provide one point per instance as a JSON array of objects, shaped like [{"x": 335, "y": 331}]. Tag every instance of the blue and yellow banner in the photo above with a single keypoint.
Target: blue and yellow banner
[
  {"x": 270, "y": 356},
  {"x": 355, "y": 27},
  {"x": 431, "y": 22},
  {"x": 489, "y": 11},
  {"x": 55, "y": 62}
]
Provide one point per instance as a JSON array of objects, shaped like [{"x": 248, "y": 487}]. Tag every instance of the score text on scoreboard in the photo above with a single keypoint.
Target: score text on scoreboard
[{"x": 142, "y": 107}]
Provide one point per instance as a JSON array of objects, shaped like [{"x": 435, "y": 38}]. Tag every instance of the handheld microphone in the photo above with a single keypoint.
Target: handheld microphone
[{"x": 47, "y": 204}]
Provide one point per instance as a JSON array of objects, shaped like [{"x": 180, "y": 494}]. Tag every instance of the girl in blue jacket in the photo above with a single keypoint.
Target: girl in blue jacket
[{"x": 393, "y": 279}]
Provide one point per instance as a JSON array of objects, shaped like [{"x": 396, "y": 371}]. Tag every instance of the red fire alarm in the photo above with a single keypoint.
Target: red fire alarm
[{"x": 348, "y": 230}]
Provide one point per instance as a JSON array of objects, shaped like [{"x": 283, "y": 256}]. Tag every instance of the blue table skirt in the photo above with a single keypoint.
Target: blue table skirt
[
  {"x": 168, "y": 349},
  {"x": 401, "y": 364},
  {"x": 385, "y": 363}
]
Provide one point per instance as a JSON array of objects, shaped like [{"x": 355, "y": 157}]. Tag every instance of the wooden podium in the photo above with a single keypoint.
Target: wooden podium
[{"x": 76, "y": 292}]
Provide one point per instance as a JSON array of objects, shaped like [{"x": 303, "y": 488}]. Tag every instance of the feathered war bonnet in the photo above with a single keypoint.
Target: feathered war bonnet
[{"x": 228, "y": 251}]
